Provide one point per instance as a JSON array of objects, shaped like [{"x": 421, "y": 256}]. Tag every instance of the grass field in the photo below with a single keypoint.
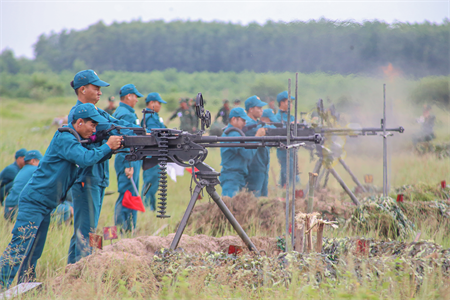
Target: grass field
[{"x": 25, "y": 123}]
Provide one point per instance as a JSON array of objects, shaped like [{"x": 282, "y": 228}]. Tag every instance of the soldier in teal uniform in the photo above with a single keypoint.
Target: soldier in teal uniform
[
  {"x": 49, "y": 184},
  {"x": 151, "y": 176},
  {"x": 126, "y": 170},
  {"x": 89, "y": 188},
  {"x": 11, "y": 203},
  {"x": 235, "y": 160},
  {"x": 9, "y": 173},
  {"x": 257, "y": 179},
  {"x": 188, "y": 119},
  {"x": 282, "y": 99}
]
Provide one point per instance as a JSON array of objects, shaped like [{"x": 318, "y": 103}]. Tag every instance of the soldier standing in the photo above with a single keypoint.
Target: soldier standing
[
  {"x": 224, "y": 112},
  {"x": 187, "y": 117},
  {"x": 111, "y": 108}
]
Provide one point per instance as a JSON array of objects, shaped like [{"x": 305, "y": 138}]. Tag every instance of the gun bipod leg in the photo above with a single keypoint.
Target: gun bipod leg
[
  {"x": 187, "y": 214},
  {"x": 344, "y": 186},
  {"x": 215, "y": 196},
  {"x": 355, "y": 180}
]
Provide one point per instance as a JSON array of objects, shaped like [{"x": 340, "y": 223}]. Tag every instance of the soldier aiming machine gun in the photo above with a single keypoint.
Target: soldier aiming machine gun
[{"x": 190, "y": 150}]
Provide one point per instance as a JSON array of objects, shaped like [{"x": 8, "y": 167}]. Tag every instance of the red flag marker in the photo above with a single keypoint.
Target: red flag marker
[{"x": 132, "y": 202}]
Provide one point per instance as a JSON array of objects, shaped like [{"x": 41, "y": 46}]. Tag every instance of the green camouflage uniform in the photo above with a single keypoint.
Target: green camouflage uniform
[{"x": 188, "y": 119}]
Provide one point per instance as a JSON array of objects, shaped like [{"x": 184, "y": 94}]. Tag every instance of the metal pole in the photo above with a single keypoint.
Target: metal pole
[
  {"x": 352, "y": 175},
  {"x": 383, "y": 124},
  {"x": 294, "y": 175},
  {"x": 212, "y": 192},
  {"x": 186, "y": 216},
  {"x": 344, "y": 186},
  {"x": 288, "y": 167}
]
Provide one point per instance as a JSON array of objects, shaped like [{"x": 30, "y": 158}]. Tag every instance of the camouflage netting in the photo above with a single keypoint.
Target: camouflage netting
[
  {"x": 129, "y": 267},
  {"x": 423, "y": 192}
]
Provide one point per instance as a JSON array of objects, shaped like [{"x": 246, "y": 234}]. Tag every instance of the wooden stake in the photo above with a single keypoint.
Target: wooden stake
[{"x": 319, "y": 238}]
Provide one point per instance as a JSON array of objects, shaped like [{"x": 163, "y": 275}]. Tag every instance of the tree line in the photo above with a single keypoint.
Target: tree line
[{"x": 415, "y": 50}]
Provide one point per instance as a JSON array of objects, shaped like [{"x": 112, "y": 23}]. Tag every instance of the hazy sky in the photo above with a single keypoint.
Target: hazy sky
[{"x": 22, "y": 21}]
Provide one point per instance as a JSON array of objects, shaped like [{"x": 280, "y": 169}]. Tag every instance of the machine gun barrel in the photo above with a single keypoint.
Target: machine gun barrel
[{"x": 360, "y": 131}]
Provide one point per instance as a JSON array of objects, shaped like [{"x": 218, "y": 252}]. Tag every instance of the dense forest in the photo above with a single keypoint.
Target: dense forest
[{"x": 416, "y": 50}]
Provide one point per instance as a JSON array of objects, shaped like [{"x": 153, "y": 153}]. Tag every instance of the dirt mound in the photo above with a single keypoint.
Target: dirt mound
[{"x": 262, "y": 217}]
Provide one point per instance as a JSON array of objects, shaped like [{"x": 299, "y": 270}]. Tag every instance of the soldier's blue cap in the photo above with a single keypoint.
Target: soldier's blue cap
[
  {"x": 154, "y": 97},
  {"x": 129, "y": 89},
  {"x": 20, "y": 153},
  {"x": 283, "y": 95},
  {"x": 239, "y": 112},
  {"x": 87, "y": 77},
  {"x": 33, "y": 154},
  {"x": 253, "y": 101},
  {"x": 88, "y": 110},
  {"x": 268, "y": 113}
]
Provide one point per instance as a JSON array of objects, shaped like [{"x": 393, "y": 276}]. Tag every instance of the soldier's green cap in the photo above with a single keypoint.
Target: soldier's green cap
[
  {"x": 154, "y": 97},
  {"x": 88, "y": 110},
  {"x": 253, "y": 101},
  {"x": 239, "y": 112},
  {"x": 282, "y": 96},
  {"x": 268, "y": 113},
  {"x": 86, "y": 77},
  {"x": 33, "y": 154},
  {"x": 183, "y": 100},
  {"x": 20, "y": 153},
  {"x": 129, "y": 89}
]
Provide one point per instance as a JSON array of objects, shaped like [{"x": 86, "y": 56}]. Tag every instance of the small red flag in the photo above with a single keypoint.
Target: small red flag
[
  {"x": 132, "y": 202},
  {"x": 190, "y": 170}
]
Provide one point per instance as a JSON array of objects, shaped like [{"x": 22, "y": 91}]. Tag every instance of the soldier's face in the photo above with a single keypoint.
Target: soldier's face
[
  {"x": 91, "y": 93},
  {"x": 256, "y": 112},
  {"x": 284, "y": 104},
  {"x": 183, "y": 105},
  {"x": 154, "y": 105},
  {"x": 132, "y": 100},
  {"x": 86, "y": 129}
]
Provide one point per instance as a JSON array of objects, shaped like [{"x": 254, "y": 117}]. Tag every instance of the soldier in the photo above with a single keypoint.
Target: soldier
[
  {"x": 282, "y": 99},
  {"x": 11, "y": 204},
  {"x": 187, "y": 117},
  {"x": 272, "y": 104},
  {"x": 126, "y": 170},
  {"x": 88, "y": 190},
  {"x": 9, "y": 173},
  {"x": 224, "y": 112},
  {"x": 235, "y": 160},
  {"x": 257, "y": 179},
  {"x": 56, "y": 172},
  {"x": 111, "y": 108},
  {"x": 427, "y": 126},
  {"x": 151, "y": 176}
]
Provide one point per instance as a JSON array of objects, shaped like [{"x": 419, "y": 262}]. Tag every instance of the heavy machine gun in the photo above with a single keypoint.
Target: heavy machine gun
[{"x": 190, "y": 150}]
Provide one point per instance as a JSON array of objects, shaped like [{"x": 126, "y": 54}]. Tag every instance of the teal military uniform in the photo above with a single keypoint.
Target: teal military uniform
[
  {"x": 123, "y": 216},
  {"x": 257, "y": 179},
  {"x": 12, "y": 200},
  {"x": 151, "y": 176},
  {"x": 235, "y": 160},
  {"x": 8, "y": 174},
  {"x": 89, "y": 189},
  {"x": 50, "y": 182},
  {"x": 282, "y": 154}
]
